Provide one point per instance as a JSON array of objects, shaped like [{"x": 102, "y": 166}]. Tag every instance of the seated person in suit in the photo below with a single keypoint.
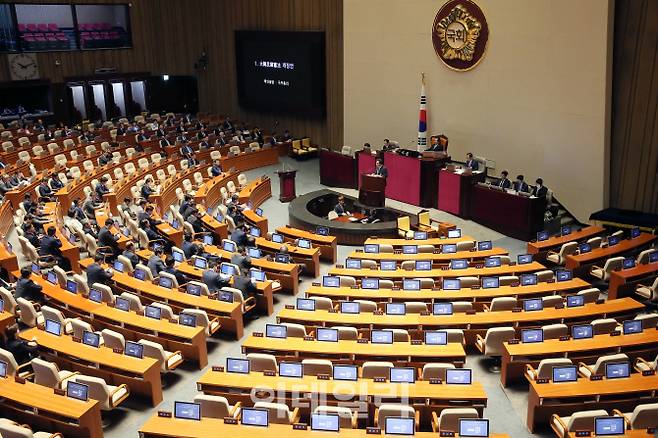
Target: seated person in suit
[
  {"x": 187, "y": 152},
  {"x": 242, "y": 260},
  {"x": 51, "y": 246},
  {"x": 92, "y": 203},
  {"x": 520, "y": 185},
  {"x": 216, "y": 168},
  {"x": 106, "y": 238},
  {"x": 129, "y": 253},
  {"x": 148, "y": 189},
  {"x": 151, "y": 233},
  {"x": 23, "y": 352},
  {"x": 194, "y": 219},
  {"x": 380, "y": 170},
  {"x": 155, "y": 263},
  {"x": 44, "y": 190},
  {"x": 239, "y": 235},
  {"x": 128, "y": 207},
  {"x": 28, "y": 289},
  {"x": 246, "y": 285},
  {"x": 190, "y": 248},
  {"x": 96, "y": 273},
  {"x": 170, "y": 268},
  {"x": 387, "y": 145},
  {"x": 341, "y": 208},
  {"x": 366, "y": 147},
  {"x": 504, "y": 182},
  {"x": 164, "y": 142},
  {"x": 539, "y": 190},
  {"x": 101, "y": 187},
  {"x": 148, "y": 216},
  {"x": 287, "y": 136},
  {"x": 105, "y": 159},
  {"x": 214, "y": 279},
  {"x": 55, "y": 182},
  {"x": 142, "y": 136},
  {"x": 471, "y": 163}
]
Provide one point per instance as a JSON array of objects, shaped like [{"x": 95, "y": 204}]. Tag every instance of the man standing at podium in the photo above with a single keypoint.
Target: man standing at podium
[
  {"x": 340, "y": 208},
  {"x": 380, "y": 170},
  {"x": 471, "y": 163}
]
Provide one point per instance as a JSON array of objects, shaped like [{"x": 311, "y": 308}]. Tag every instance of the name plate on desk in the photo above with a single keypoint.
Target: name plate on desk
[
  {"x": 565, "y": 338},
  {"x": 269, "y": 373},
  {"x": 649, "y": 373},
  {"x": 332, "y": 311},
  {"x": 361, "y": 341},
  {"x": 595, "y": 377},
  {"x": 379, "y": 380},
  {"x": 434, "y": 289},
  {"x": 540, "y": 381},
  {"x": 435, "y": 381},
  {"x": 417, "y": 341},
  {"x": 424, "y": 313},
  {"x": 615, "y": 333},
  {"x": 377, "y": 312},
  {"x": 290, "y": 307},
  {"x": 559, "y": 306},
  {"x": 395, "y": 288},
  {"x": 218, "y": 369},
  {"x": 340, "y": 266},
  {"x": 516, "y": 310},
  {"x": 309, "y": 338},
  {"x": 315, "y": 283},
  {"x": 552, "y": 280},
  {"x": 600, "y": 301},
  {"x": 76, "y": 339},
  {"x": 300, "y": 426},
  {"x": 19, "y": 380},
  {"x": 373, "y": 431},
  {"x": 515, "y": 284},
  {"x": 446, "y": 433},
  {"x": 470, "y": 312},
  {"x": 230, "y": 420},
  {"x": 117, "y": 350},
  {"x": 583, "y": 433},
  {"x": 513, "y": 341},
  {"x": 164, "y": 414},
  {"x": 354, "y": 287},
  {"x": 58, "y": 391},
  {"x": 323, "y": 376},
  {"x": 475, "y": 287},
  {"x": 258, "y": 334}
]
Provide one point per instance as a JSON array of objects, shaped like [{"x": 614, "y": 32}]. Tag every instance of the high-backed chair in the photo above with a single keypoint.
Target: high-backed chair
[
  {"x": 114, "y": 340},
  {"x": 262, "y": 362},
  {"x": 643, "y": 257},
  {"x": 168, "y": 360},
  {"x": 373, "y": 369},
  {"x": 555, "y": 331},
  {"x": 566, "y": 249},
  {"x": 449, "y": 418},
  {"x": 583, "y": 420},
  {"x": 643, "y": 416},
  {"x": 347, "y": 333},
  {"x": 545, "y": 368},
  {"x": 294, "y": 330},
  {"x": 599, "y": 367},
  {"x": 602, "y": 326},
  {"x": 202, "y": 320},
  {"x": 48, "y": 374},
  {"x": 279, "y": 413},
  {"x": 612, "y": 264},
  {"x": 134, "y": 302},
  {"x": 215, "y": 406},
  {"x": 492, "y": 343},
  {"x": 366, "y": 306},
  {"x": 501, "y": 303},
  {"x": 649, "y": 320},
  {"x": 10, "y": 429},
  {"x": 394, "y": 410},
  {"x": 346, "y": 418},
  {"x": 109, "y": 396},
  {"x": 13, "y": 367},
  {"x": 436, "y": 371},
  {"x": 649, "y": 293},
  {"x": 313, "y": 367},
  {"x": 404, "y": 227},
  {"x": 10, "y": 304},
  {"x": 590, "y": 295}
]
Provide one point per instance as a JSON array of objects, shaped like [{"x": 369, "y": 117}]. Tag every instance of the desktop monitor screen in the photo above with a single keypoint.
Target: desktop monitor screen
[
  {"x": 434, "y": 337},
  {"x": 255, "y": 417},
  {"x": 239, "y": 366},
  {"x": 326, "y": 334},
  {"x": 410, "y": 284},
  {"x": 52, "y": 277},
  {"x": 2, "y": 305},
  {"x": 442, "y": 309},
  {"x": 187, "y": 320},
  {"x": 165, "y": 282},
  {"x": 322, "y": 231},
  {"x": 409, "y": 249},
  {"x": 542, "y": 235},
  {"x": 613, "y": 240},
  {"x": 178, "y": 256},
  {"x": 575, "y": 301},
  {"x": 530, "y": 336},
  {"x": 399, "y": 426},
  {"x": 524, "y": 259},
  {"x": 568, "y": 373},
  {"x": 305, "y": 304},
  {"x": 77, "y": 390},
  {"x": 388, "y": 265},
  {"x": 345, "y": 372},
  {"x": 528, "y": 279},
  {"x": 485, "y": 245},
  {"x": 423, "y": 265},
  {"x": 122, "y": 304},
  {"x": 187, "y": 411},
  {"x": 254, "y": 253},
  {"x": 257, "y": 275},
  {"x": 254, "y": 232},
  {"x": 349, "y": 307},
  {"x": 371, "y": 248},
  {"x": 325, "y": 422},
  {"x": 490, "y": 282},
  {"x": 381, "y": 336},
  {"x": 533, "y": 304},
  {"x": 420, "y": 235},
  {"x": 134, "y": 349},
  {"x": 140, "y": 274},
  {"x": 395, "y": 309},
  {"x": 72, "y": 286},
  {"x": 454, "y": 234},
  {"x": 635, "y": 232},
  {"x": 227, "y": 269},
  {"x": 225, "y": 296},
  {"x": 200, "y": 263},
  {"x": 459, "y": 264},
  {"x": 353, "y": 264},
  {"x": 451, "y": 284},
  {"x": 472, "y": 427},
  {"x": 35, "y": 268},
  {"x": 259, "y": 212},
  {"x": 207, "y": 239},
  {"x": 402, "y": 375},
  {"x": 584, "y": 248},
  {"x": 632, "y": 326},
  {"x": 459, "y": 376},
  {"x": 153, "y": 312},
  {"x": 175, "y": 224},
  {"x": 628, "y": 263},
  {"x": 606, "y": 426},
  {"x": 91, "y": 338},
  {"x": 193, "y": 289},
  {"x": 582, "y": 331},
  {"x": 277, "y": 238},
  {"x": 53, "y": 327},
  {"x": 492, "y": 262},
  {"x": 282, "y": 258},
  {"x": 617, "y": 370},
  {"x": 276, "y": 331},
  {"x": 228, "y": 246},
  {"x": 330, "y": 281},
  {"x": 95, "y": 295},
  {"x": 3, "y": 368},
  {"x": 126, "y": 232},
  {"x": 290, "y": 369},
  {"x": 303, "y": 243},
  {"x": 118, "y": 266},
  {"x": 565, "y": 230},
  {"x": 370, "y": 283},
  {"x": 449, "y": 248},
  {"x": 564, "y": 275}
]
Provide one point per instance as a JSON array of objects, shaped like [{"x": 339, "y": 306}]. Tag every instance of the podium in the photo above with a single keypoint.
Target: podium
[
  {"x": 372, "y": 190},
  {"x": 287, "y": 185}
]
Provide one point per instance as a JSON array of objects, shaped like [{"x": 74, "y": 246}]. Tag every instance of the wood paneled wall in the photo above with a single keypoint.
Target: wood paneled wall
[
  {"x": 169, "y": 36},
  {"x": 634, "y": 147}
]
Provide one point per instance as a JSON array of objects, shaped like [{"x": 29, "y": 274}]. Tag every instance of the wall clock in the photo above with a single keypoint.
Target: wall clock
[{"x": 23, "y": 66}]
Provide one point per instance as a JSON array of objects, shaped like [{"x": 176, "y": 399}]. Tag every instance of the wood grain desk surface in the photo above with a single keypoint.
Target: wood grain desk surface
[
  {"x": 553, "y": 347},
  {"x": 173, "y": 427},
  {"x": 464, "y": 294},
  {"x": 345, "y": 347},
  {"x": 592, "y": 310},
  {"x": 585, "y": 387},
  {"x": 401, "y": 241},
  {"x": 399, "y": 274},
  {"x": 261, "y": 242},
  {"x": 636, "y": 272},
  {"x": 557, "y": 241},
  {"x": 297, "y": 233},
  {"x": 311, "y": 384},
  {"x": 576, "y": 260},
  {"x": 469, "y": 255}
]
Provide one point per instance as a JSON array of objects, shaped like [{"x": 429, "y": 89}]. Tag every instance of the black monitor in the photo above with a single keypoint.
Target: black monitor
[
  {"x": 423, "y": 265},
  {"x": 628, "y": 263},
  {"x": 304, "y": 243},
  {"x": 353, "y": 263},
  {"x": 442, "y": 309},
  {"x": 118, "y": 266},
  {"x": 254, "y": 253},
  {"x": 227, "y": 269},
  {"x": 254, "y": 232},
  {"x": 277, "y": 238},
  {"x": 278, "y": 331},
  {"x": 458, "y": 264},
  {"x": 632, "y": 326},
  {"x": 420, "y": 235},
  {"x": 449, "y": 248},
  {"x": 492, "y": 262},
  {"x": 381, "y": 336},
  {"x": 229, "y": 246},
  {"x": 533, "y": 304},
  {"x": 584, "y": 248},
  {"x": 609, "y": 426},
  {"x": 51, "y": 277},
  {"x": 140, "y": 274},
  {"x": 582, "y": 331},
  {"x": 187, "y": 320},
  {"x": 282, "y": 258},
  {"x": 459, "y": 376},
  {"x": 3, "y": 368},
  {"x": 531, "y": 336},
  {"x": 257, "y": 275},
  {"x": 542, "y": 235},
  {"x": 350, "y": 307},
  {"x": 371, "y": 248},
  {"x": 96, "y": 296},
  {"x": 255, "y": 417},
  {"x": 306, "y": 304},
  {"x": 524, "y": 259},
  {"x": 567, "y": 373},
  {"x": 322, "y": 231},
  {"x": 454, "y": 234},
  {"x": 134, "y": 349},
  {"x": 76, "y": 390},
  {"x": 410, "y": 284},
  {"x": 436, "y": 337},
  {"x": 370, "y": 283},
  {"x": 563, "y": 275},
  {"x": 259, "y": 212},
  {"x": 653, "y": 257},
  {"x": 236, "y": 365},
  {"x": 485, "y": 245},
  {"x": 565, "y": 230},
  {"x": 451, "y": 284},
  {"x": 153, "y": 312},
  {"x": 345, "y": 372},
  {"x": 388, "y": 265},
  {"x": 399, "y": 426},
  {"x": 473, "y": 427},
  {"x": 635, "y": 232},
  {"x": 528, "y": 279},
  {"x": 165, "y": 282},
  {"x": 402, "y": 375},
  {"x": 291, "y": 369},
  {"x": 617, "y": 370},
  {"x": 187, "y": 411},
  {"x": 490, "y": 282},
  {"x": 207, "y": 239},
  {"x": 330, "y": 281},
  {"x": 178, "y": 256},
  {"x": 325, "y": 422},
  {"x": 193, "y": 289},
  {"x": 409, "y": 249},
  {"x": 200, "y": 263},
  {"x": 53, "y": 327},
  {"x": 396, "y": 309},
  {"x": 575, "y": 301},
  {"x": 225, "y": 296},
  {"x": 613, "y": 240},
  {"x": 92, "y": 339}
]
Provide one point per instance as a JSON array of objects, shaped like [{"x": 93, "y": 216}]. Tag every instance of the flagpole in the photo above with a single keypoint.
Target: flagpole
[{"x": 422, "y": 116}]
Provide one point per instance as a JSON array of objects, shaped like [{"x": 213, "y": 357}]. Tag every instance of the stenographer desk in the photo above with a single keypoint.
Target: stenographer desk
[
  {"x": 337, "y": 170},
  {"x": 455, "y": 190}
]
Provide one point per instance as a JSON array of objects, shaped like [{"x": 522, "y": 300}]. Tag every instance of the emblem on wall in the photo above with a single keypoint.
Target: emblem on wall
[{"x": 460, "y": 34}]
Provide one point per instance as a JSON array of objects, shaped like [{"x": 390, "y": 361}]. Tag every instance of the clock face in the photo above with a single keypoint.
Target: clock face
[{"x": 23, "y": 66}]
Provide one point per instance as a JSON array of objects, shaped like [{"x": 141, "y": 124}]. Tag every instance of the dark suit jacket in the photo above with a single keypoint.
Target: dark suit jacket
[
  {"x": 213, "y": 280},
  {"x": 28, "y": 289},
  {"x": 134, "y": 259},
  {"x": 472, "y": 164},
  {"x": 245, "y": 285},
  {"x": 216, "y": 170},
  {"x": 504, "y": 183},
  {"x": 50, "y": 246},
  {"x": 44, "y": 190},
  {"x": 96, "y": 274},
  {"x": 156, "y": 265},
  {"x": 382, "y": 171},
  {"x": 146, "y": 191},
  {"x": 106, "y": 238},
  {"x": 541, "y": 192},
  {"x": 523, "y": 187},
  {"x": 190, "y": 249},
  {"x": 339, "y": 209},
  {"x": 164, "y": 142}
]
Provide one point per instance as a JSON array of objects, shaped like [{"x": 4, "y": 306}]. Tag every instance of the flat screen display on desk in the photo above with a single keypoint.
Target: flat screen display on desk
[
  {"x": 330, "y": 281},
  {"x": 134, "y": 349},
  {"x": 187, "y": 411},
  {"x": 409, "y": 249},
  {"x": 490, "y": 282},
  {"x": 410, "y": 284},
  {"x": 420, "y": 235},
  {"x": 381, "y": 336},
  {"x": 276, "y": 331},
  {"x": 436, "y": 337},
  {"x": 350, "y": 307},
  {"x": 528, "y": 279},
  {"x": 471, "y": 427},
  {"x": 325, "y": 422},
  {"x": 484, "y": 245},
  {"x": 459, "y": 376},
  {"x": 567, "y": 373},
  {"x": 326, "y": 334},
  {"x": 290, "y": 369},
  {"x": 281, "y": 71},
  {"x": 617, "y": 370},
  {"x": 402, "y": 375},
  {"x": 582, "y": 331},
  {"x": 255, "y": 417},
  {"x": 76, "y": 390},
  {"x": 608, "y": 426},
  {"x": 632, "y": 326},
  {"x": 345, "y": 372},
  {"x": 399, "y": 426}
]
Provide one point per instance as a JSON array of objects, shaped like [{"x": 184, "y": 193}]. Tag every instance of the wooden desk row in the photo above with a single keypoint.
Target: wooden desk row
[
  {"x": 327, "y": 244},
  {"x": 622, "y": 283},
  {"x": 478, "y": 296},
  {"x": 517, "y": 356},
  {"x": 436, "y": 257},
  {"x": 141, "y": 375},
  {"x": 398, "y": 243},
  {"x": 308, "y": 257},
  {"x": 583, "y": 261},
  {"x": 472, "y": 324},
  {"x": 190, "y": 341},
  {"x": 554, "y": 243},
  {"x": 400, "y": 274}
]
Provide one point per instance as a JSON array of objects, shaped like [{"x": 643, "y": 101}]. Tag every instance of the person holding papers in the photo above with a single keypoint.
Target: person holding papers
[{"x": 380, "y": 170}]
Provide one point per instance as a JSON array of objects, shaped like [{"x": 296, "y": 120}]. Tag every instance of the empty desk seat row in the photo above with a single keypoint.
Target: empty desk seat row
[{"x": 644, "y": 416}]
